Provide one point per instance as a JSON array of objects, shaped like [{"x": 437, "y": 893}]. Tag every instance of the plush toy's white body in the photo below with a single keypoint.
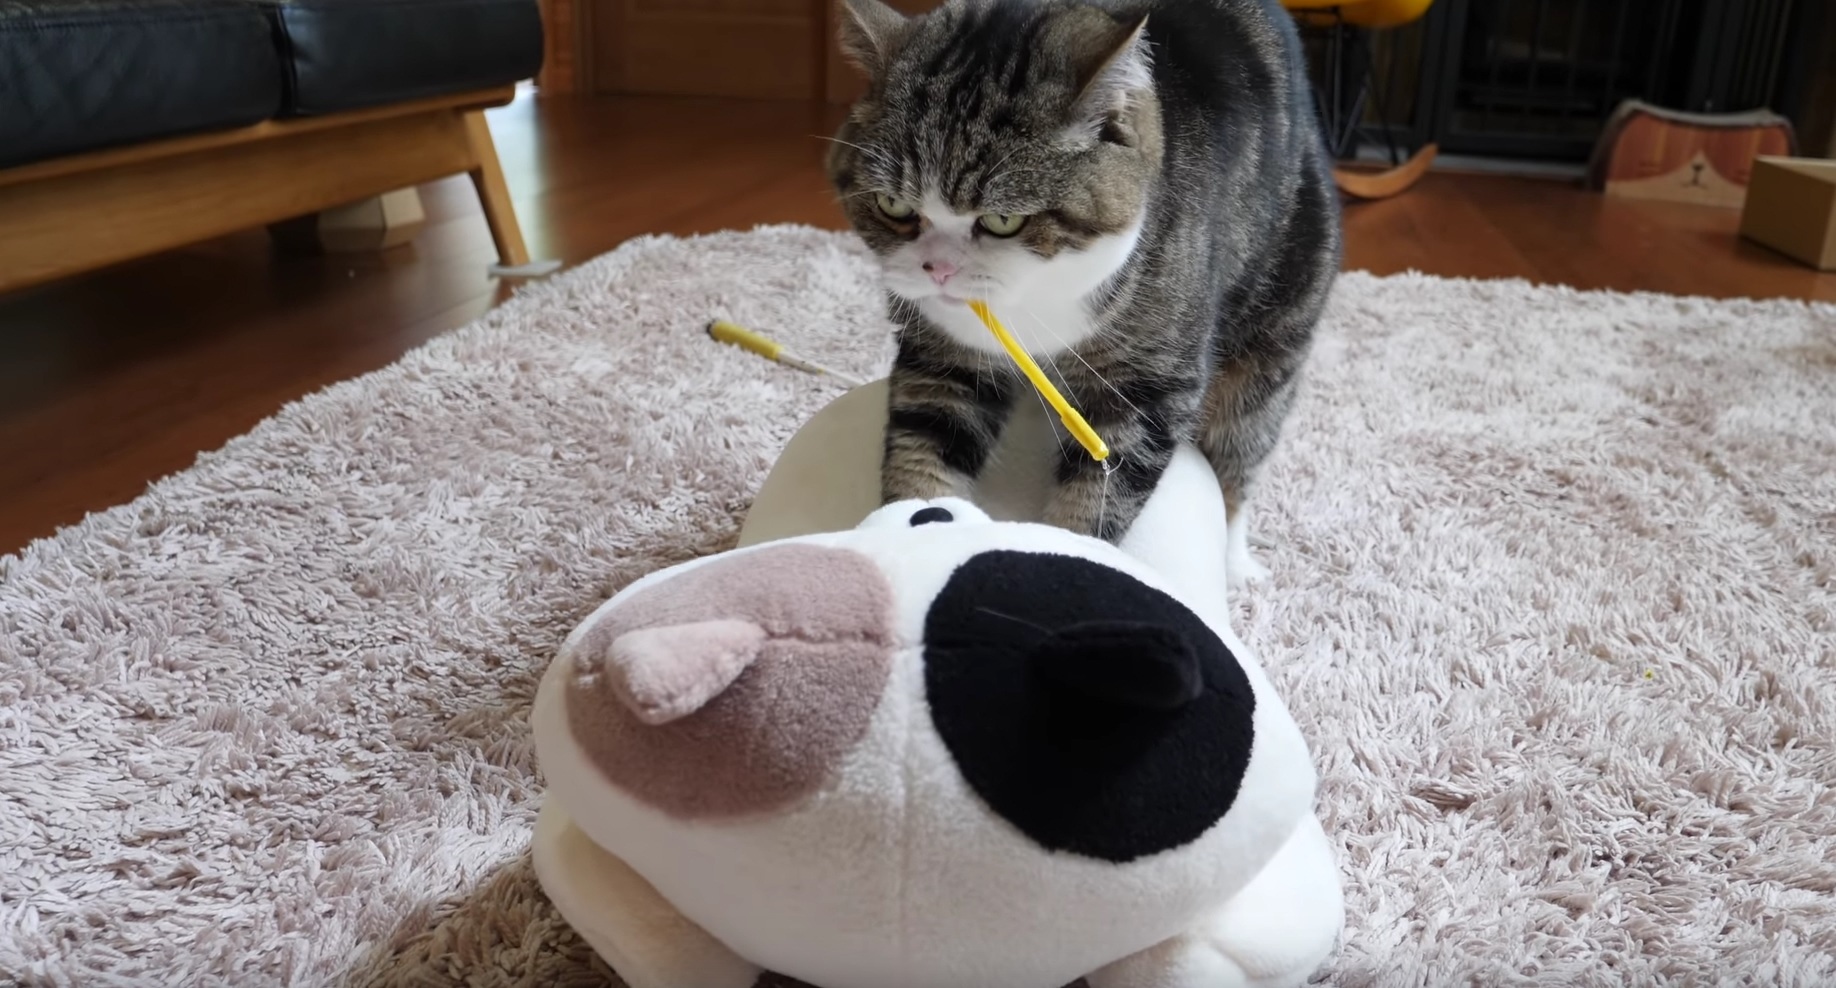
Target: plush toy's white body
[{"x": 896, "y": 870}]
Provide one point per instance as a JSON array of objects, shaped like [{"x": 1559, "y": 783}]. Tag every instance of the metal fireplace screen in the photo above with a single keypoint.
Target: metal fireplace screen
[{"x": 1538, "y": 78}]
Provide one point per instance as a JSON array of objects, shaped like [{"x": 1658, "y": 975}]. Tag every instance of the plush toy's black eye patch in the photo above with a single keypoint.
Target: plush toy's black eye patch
[
  {"x": 1096, "y": 714},
  {"x": 925, "y": 516}
]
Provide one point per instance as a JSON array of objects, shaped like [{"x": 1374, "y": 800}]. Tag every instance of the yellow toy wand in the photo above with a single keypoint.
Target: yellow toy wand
[
  {"x": 1080, "y": 429},
  {"x": 771, "y": 349}
]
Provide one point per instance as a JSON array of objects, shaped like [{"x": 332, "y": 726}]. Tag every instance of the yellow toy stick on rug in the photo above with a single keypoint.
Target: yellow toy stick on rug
[
  {"x": 1080, "y": 429},
  {"x": 771, "y": 349}
]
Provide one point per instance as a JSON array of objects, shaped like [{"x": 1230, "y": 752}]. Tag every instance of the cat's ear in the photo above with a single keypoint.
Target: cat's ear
[
  {"x": 870, "y": 33},
  {"x": 1111, "y": 67}
]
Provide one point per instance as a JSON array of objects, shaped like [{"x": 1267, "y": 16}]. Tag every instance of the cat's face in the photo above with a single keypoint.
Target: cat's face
[{"x": 1004, "y": 149}]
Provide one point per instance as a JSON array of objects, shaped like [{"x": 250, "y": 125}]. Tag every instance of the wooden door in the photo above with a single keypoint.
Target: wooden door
[
  {"x": 762, "y": 49},
  {"x": 758, "y": 49}
]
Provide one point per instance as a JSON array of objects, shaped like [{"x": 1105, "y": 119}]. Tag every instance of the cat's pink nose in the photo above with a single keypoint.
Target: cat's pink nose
[{"x": 940, "y": 271}]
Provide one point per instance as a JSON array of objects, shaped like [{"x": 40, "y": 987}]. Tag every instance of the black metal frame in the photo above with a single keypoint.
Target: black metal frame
[
  {"x": 1807, "y": 78},
  {"x": 1348, "y": 85},
  {"x": 1739, "y": 55},
  {"x": 1549, "y": 100}
]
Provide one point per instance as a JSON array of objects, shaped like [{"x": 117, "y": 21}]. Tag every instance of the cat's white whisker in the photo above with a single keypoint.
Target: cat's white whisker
[
  {"x": 1103, "y": 499},
  {"x": 1051, "y": 419},
  {"x": 874, "y": 154},
  {"x": 1064, "y": 385},
  {"x": 995, "y": 174},
  {"x": 1080, "y": 359}
]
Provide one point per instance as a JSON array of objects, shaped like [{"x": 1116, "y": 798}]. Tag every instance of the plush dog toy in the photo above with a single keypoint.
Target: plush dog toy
[{"x": 932, "y": 751}]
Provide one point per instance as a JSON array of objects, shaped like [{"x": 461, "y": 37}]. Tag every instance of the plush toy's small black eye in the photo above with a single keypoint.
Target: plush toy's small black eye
[{"x": 925, "y": 516}]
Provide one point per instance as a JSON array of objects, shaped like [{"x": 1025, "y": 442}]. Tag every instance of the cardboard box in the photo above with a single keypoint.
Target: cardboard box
[{"x": 1791, "y": 207}]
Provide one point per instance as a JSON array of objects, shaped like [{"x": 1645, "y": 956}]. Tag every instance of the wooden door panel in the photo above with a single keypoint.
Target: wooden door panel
[
  {"x": 764, "y": 49},
  {"x": 798, "y": 9}
]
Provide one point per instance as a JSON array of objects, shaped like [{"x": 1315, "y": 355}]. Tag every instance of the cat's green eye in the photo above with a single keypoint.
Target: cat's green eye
[
  {"x": 1001, "y": 224},
  {"x": 897, "y": 209}
]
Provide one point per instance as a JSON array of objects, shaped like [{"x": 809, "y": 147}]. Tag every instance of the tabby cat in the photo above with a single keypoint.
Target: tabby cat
[{"x": 1139, "y": 188}]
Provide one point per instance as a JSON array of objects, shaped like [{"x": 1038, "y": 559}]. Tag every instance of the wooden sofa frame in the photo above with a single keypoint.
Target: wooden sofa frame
[{"x": 86, "y": 211}]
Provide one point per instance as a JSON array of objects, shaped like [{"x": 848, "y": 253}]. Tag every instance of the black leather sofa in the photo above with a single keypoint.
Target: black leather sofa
[
  {"x": 82, "y": 81},
  {"x": 78, "y": 75}
]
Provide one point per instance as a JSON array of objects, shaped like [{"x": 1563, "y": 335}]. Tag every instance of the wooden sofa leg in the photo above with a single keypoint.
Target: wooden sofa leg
[{"x": 494, "y": 193}]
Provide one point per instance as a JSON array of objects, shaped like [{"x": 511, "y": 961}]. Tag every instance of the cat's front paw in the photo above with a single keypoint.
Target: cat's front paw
[
  {"x": 1241, "y": 569},
  {"x": 907, "y": 486},
  {"x": 1068, "y": 514},
  {"x": 1091, "y": 508}
]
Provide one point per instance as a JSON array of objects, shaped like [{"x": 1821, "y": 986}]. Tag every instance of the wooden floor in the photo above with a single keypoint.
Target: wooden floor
[{"x": 113, "y": 380}]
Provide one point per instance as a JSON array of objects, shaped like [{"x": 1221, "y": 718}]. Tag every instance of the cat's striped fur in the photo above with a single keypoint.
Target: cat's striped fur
[{"x": 1167, "y": 159}]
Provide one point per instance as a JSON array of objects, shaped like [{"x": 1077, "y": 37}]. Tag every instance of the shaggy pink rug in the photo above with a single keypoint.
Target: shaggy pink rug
[{"x": 1554, "y": 597}]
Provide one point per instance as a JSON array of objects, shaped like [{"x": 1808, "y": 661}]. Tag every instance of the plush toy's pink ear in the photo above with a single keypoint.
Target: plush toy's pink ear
[{"x": 662, "y": 674}]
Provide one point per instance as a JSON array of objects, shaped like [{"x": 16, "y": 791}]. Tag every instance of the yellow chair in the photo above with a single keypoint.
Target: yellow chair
[
  {"x": 1365, "y": 15},
  {"x": 1370, "y": 14}
]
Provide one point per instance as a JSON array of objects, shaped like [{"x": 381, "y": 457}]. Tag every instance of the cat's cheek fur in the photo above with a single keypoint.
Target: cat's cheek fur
[{"x": 1042, "y": 301}]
